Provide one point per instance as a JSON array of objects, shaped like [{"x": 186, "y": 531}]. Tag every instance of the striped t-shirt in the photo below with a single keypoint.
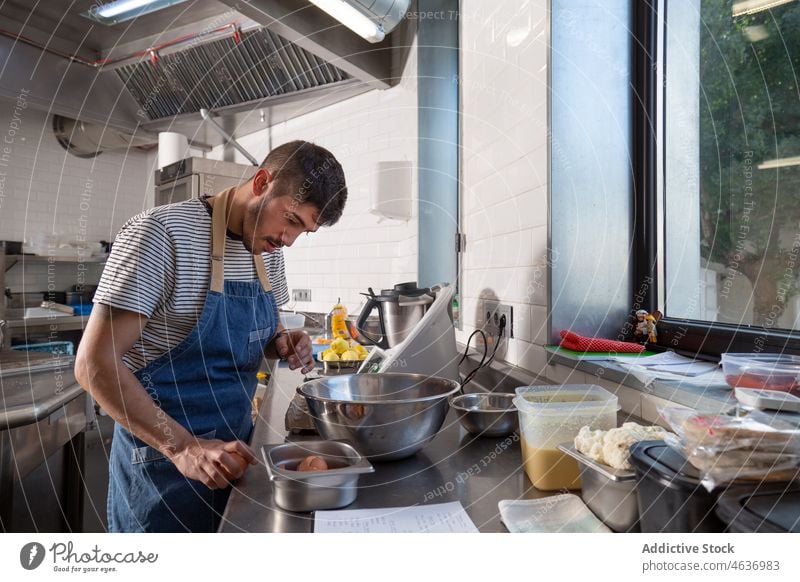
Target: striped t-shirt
[{"x": 160, "y": 266}]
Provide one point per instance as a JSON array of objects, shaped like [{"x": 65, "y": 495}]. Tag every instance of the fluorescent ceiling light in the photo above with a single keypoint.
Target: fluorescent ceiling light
[
  {"x": 779, "y": 163},
  {"x": 353, "y": 18},
  {"x": 118, "y": 11},
  {"x": 753, "y": 6}
]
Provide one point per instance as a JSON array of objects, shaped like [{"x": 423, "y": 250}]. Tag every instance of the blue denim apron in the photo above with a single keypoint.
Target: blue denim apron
[{"x": 206, "y": 383}]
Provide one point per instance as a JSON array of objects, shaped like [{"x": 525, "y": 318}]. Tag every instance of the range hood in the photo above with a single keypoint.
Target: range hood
[
  {"x": 225, "y": 73},
  {"x": 253, "y": 64}
]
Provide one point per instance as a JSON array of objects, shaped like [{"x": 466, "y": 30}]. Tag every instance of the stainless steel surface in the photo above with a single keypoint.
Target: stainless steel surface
[
  {"x": 195, "y": 177},
  {"x": 58, "y": 87},
  {"x": 399, "y": 310},
  {"x": 40, "y": 477},
  {"x": 455, "y": 466},
  {"x": 313, "y": 490},
  {"x": 33, "y": 385},
  {"x": 313, "y": 30},
  {"x": 226, "y": 72},
  {"x": 88, "y": 140},
  {"x": 206, "y": 115},
  {"x": 403, "y": 315},
  {"x": 66, "y": 323},
  {"x": 340, "y": 367},
  {"x": 246, "y": 118},
  {"x": 488, "y": 415},
  {"x": 610, "y": 493},
  {"x": 386, "y": 416},
  {"x": 195, "y": 165}
]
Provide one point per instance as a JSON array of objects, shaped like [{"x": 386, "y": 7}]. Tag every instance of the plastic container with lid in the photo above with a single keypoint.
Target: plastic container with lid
[
  {"x": 771, "y": 508},
  {"x": 551, "y": 415},
  {"x": 764, "y": 371},
  {"x": 669, "y": 492}
]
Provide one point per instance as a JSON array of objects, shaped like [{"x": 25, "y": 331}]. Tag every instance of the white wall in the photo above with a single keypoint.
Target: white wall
[
  {"x": 359, "y": 251},
  {"x": 504, "y": 191},
  {"x": 48, "y": 191}
]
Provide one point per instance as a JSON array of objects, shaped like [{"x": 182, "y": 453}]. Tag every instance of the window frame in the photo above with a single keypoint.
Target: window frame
[{"x": 702, "y": 338}]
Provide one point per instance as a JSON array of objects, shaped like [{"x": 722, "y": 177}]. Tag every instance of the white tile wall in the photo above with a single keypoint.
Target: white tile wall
[
  {"x": 45, "y": 190},
  {"x": 504, "y": 98},
  {"x": 360, "y": 251}
]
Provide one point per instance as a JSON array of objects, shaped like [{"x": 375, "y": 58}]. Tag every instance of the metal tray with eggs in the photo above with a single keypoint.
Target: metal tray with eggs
[{"x": 332, "y": 488}]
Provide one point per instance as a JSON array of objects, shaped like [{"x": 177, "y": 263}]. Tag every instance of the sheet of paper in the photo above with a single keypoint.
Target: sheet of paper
[
  {"x": 664, "y": 358},
  {"x": 669, "y": 363},
  {"x": 437, "y": 518},
  {"x": 690, "y": 369}
]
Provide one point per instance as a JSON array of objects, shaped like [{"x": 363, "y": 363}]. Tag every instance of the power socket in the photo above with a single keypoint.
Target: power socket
[
  {"x": 493, "y": 311},
  {"x": 301, "y": 294}
]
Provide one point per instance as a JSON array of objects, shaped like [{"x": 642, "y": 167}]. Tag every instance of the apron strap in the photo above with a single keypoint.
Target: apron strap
[{"x": 218, "y": 228}]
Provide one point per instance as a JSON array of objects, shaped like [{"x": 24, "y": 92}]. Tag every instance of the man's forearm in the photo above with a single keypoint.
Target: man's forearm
[{"x": 134, "y": 406}]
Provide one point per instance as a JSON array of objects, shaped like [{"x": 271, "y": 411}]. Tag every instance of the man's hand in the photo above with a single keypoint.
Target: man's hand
[
  {"x": 213, "y": 462},
  {"x": 295, "y": 347}
]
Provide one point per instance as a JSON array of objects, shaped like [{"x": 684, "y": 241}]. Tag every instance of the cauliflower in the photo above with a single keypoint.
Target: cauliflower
[
  {"x": 612, "y": 447},
  {"x": 590, "y": 443}
]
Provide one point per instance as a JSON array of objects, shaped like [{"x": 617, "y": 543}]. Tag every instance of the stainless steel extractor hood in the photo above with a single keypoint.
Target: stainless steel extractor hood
[{"x": 156, "y": 72}]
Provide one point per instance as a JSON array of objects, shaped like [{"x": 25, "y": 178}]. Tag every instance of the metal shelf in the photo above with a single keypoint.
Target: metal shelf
[{"x": 12, "y": 260}]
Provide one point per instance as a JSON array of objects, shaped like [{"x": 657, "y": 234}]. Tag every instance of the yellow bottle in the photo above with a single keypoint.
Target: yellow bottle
[{"x": 339, "y": 321}]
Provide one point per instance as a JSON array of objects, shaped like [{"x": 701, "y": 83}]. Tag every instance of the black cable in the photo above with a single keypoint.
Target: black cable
[
  {"x": 485, "y": 353},
  {"x": 469, "y": 340},
  {"x": 484, "y": 363}
]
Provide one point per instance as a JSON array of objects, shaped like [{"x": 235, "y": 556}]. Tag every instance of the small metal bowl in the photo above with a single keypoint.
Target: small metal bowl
[{"x": 489, "y": 415}]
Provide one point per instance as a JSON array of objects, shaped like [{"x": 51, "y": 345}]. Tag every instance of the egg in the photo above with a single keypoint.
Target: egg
[
  {"x": 240, "y": 460},
  {"x": 312, "y": 463}
]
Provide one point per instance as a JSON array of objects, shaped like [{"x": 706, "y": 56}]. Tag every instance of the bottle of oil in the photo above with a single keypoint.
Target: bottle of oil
[{"x": 339, "y": 321}]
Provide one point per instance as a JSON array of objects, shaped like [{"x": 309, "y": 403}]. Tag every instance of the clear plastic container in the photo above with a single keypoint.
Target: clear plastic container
[
  {"x": 763, "y": 371},
  {"x": 551, "y": 415},
  {"x": 292, "y": 320}
]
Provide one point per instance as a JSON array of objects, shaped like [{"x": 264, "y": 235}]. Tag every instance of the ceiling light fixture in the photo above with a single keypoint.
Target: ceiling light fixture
[
  {"x": 361, "y": 23},
  {"x": 118, "y": 11},
  {"x": 752, "y": 6}
]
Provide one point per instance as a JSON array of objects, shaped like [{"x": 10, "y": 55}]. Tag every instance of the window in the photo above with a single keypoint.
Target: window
[{"x": 729, "y": 174}]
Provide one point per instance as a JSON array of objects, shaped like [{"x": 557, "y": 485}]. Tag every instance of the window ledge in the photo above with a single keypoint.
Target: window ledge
[
  {"x": 698, "y": 393},
  {"x": 636, "y": 400}
]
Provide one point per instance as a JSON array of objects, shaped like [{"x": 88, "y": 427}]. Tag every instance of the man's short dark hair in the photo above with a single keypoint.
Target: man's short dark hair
[{"x": 309, "y": 173}]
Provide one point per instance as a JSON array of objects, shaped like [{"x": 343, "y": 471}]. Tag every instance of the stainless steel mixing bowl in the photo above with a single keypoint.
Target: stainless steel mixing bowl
[
  {"x": 386, "y": 416},
  {"x": 489, "y": 415}
]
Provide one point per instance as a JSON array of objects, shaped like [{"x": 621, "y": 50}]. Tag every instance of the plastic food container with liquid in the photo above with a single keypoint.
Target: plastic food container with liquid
[{"x": 551, "y": 415}]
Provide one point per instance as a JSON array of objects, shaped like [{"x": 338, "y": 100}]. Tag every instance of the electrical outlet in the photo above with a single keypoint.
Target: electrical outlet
[
  {"x": 301, "y": 294},
  {"x": 493, "y": 311}
]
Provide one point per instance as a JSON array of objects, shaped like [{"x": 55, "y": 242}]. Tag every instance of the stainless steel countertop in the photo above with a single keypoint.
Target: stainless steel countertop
[
  {"x": 455, "y": 466},
  {"x": 34, "y": 385}
]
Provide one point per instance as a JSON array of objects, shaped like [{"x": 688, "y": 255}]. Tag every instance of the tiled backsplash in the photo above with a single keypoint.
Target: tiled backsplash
[{"x": 504, "y": 193}]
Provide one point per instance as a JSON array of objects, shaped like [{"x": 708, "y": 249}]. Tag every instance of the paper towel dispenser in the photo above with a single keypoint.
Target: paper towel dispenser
[{"x": 390, "y": 195}]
